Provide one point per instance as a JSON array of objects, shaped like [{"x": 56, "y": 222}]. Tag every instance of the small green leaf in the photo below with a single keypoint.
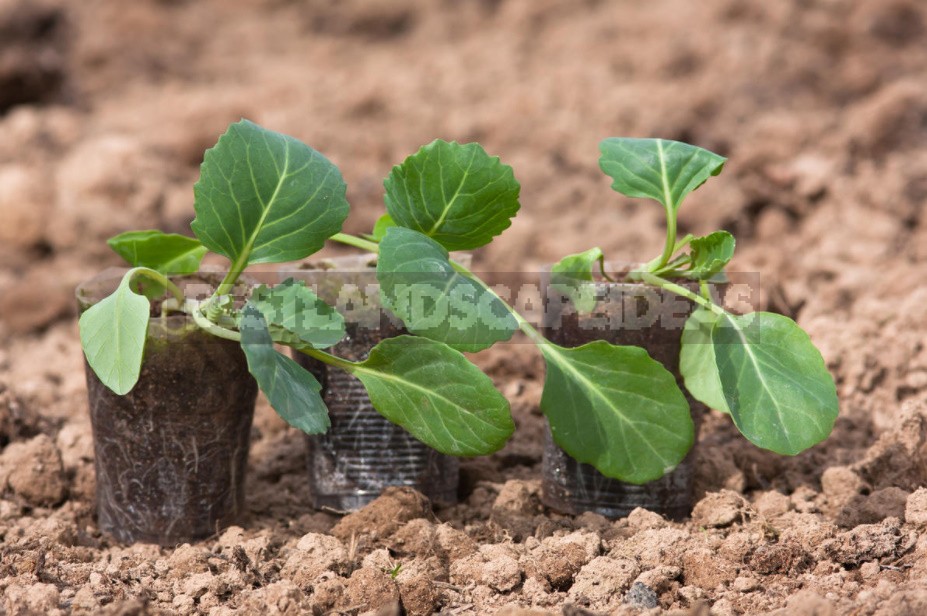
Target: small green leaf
[
  {"x": 432, "y": 391},
  {"x": 295, "y": 314},
  {"x": 419, "y": 285},
  {"x": 697, "y": 360},
  {"x": 167, "y": 253},
  {"x": 616, "y": 408},
  {"x": 572, "y": 276},
  {"x": 113, "y": 333},
  {"x": 264, "y": 197},
  {"x": 383, "y": 223},
  {"x": 291, "y": 390},
  {"x": 657, "y": 168},
  {"x": 456, "y": 194},
  {"x": 776, "y": 384},
  {"x": 709, "y": 255}
]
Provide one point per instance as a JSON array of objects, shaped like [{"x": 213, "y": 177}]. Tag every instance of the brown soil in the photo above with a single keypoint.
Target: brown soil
[{"x": 820, "y": 106}]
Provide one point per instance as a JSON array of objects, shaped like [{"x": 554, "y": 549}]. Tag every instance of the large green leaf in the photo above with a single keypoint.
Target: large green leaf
[
  {"x": 776, "y": 384},
  {"x": 264, "y": 197},
  {"x": 709, "y": 255},
  {"x": 697, "y": 360},
  {"x": 291, "y": 390},
  {"x": 616, "y": 408},
  {"x": 113, "y": 332},
  {"x": 657, "y": 168},
  {"x": 457, "y": 194},
  {"x": 572, "y": 276},
  {"x": 168, "y": 253},
  {"x": 432, "y": 391},
  {"x": 419, "y": 285},
  {"x": 295, "y": 314}
]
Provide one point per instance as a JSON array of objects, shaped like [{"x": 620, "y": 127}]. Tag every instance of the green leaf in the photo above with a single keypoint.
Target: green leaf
[
  {"x": 419, "y": 285},
  {"x": 572, "y": 276},
  {"x": 296, "y": 315},
  {"x": 776, "y": 384},
  {"x": 697, "y": 360},
  {"x": 383, "y": 223},
  {"x": 112, "y": 334},
  {"x": 167, "y": 253},
  {"x": 264, "y": 197},
  {"x": 437, "y": 395},
  {"x": 616, "y": 408},
  {"x": 710, "y": 254},
  {"x": 456, "y": 194},
  {"x": 291, "y": 390},
  {"x": 657, "y": 168}
]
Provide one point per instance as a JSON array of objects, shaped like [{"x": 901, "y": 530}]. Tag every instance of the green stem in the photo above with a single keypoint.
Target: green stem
[
  {"x": 356, "y": 242},
  {"x": 227, "y": 283},
  {"x": 603, "y": 272},
  {"x": 523, "y": 324},
  {"x": 670, "y": 247},
  {"x": 327, "y": 358},
  {"x": 684, "y": 292},
  {"x": 220, "y": 332},
  {"x": 657, "y": 265},
  {"x": 682, "y": 243},
  {"x": 703, "y": 288},
  {"x": 161, "y": 279},
  {"x": 208, "y": 326}
]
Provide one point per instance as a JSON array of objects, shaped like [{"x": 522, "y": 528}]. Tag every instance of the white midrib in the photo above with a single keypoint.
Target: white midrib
[
  {"x": 667, "y": 194},
  {"x": 242, "y": 259},
  {"x": 355, "y": 368},
  {"x": 589, "y": 385},
  {"x": 755, "y": 361},
  {"x": 450, "y": 204}
]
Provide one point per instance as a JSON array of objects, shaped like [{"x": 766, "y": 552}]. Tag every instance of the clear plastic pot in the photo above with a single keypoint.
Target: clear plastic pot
[
  {"x": 626, "y": 314},
  {"x": 170, "y": 455},
  {"x": 363, "y": 453}
]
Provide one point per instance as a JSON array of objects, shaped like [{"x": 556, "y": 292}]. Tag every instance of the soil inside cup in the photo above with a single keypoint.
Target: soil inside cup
[
  {"x": 170, "y": 455},
  {"x": 626, "y": 314},
  {"x": 363, "y": 453}
]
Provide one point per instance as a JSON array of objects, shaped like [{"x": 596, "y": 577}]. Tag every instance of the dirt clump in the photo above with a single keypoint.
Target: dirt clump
[
  {"x": 371, "y": 589},
  {"x": 384, "y": 515},
  {"x": 33, "y": 471}
]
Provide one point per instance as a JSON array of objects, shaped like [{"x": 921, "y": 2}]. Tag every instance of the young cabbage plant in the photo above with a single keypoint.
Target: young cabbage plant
[
  {"x": 607, "y": 405},
  {"x": 264, "y": 197},
  {"x": 760, "y": 368},
  {"x": 610, "y": 406}
]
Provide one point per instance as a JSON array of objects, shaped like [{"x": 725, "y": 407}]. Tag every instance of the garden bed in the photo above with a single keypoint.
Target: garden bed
[{"x": 820, "y": 109}]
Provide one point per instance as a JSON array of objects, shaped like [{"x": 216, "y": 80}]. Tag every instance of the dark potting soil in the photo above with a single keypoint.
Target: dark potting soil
[
  {"x": 635, "y": 315},
  {"x": 362, "y": 453}
]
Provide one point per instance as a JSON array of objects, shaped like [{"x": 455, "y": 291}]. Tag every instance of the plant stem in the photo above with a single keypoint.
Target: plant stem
[
  {"x": 603, "y": 272},
  {"x": 684, "y": 292},
  {"x": 681, "y": 243},
  {"x": 356, "y": 242},
  {"x": 363, "y": 244},
  {"x": 523, "y": 324},
  {"x": 161, "y": 279},
  {"x": 229, "y": 281},
  {"x": 220, "y": 332},
  {"x": 704, "y": 290},
  {"x": 208, "y": 326},
  {"x": 670, "y": 247},
  {"x": 327, "y": 358}
]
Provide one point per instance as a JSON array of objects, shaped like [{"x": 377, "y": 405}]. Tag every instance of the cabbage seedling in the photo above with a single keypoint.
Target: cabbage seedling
[
  {"x": 264, "y": 197},
  {"x": 608, "y": 405}
]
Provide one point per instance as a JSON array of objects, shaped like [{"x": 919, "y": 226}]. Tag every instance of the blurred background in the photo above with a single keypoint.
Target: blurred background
[{"x": 106, "y": 108}]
